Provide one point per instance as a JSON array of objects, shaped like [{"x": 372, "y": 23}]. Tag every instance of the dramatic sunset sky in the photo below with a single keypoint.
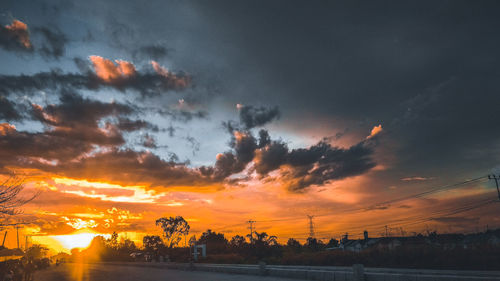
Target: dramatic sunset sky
[{"x": 120, "y": 112}]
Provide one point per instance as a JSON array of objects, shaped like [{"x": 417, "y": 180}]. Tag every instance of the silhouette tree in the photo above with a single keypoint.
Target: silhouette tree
[
  {"x": 153, "y": 244},
  {"x": 127, "y": 245},
  {"x": 10, "y": 201},
  {"x": 332, "y": 243},
  {"x": 293, "y": 245},
  {"x": 173, "y": 229},
  {"x": 237, "y": 241},
  {"x": 314, "y": 244},
  {"x": 264, "y": 239},
  {"x": 113, "y": 241},
  {"x": 216, "y": 242},
  {"x": 263, "y": 245}
]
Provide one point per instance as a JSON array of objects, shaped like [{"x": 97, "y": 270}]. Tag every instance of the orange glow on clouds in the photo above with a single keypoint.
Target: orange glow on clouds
[
  {"x": 6, "y": 128},
  {"x": 109, "y": 71},
  {"x": 20, "y": 30},
  {"x": 178, "y": 81},
  {"x": 80, "y": 223},
  {"x": 139, "y": 194},
  {"x": 375, "y": 131}
]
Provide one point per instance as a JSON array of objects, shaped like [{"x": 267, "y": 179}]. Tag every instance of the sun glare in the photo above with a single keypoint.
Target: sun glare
[{"x": 77, "y": 240}]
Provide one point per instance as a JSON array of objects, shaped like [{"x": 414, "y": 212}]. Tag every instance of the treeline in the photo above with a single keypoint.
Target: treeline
[
  {"x": 427, "y": 251},
  {"x": 263, "y": 247}
]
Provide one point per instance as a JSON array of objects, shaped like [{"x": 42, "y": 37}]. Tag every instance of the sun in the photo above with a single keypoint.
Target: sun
[
  {"x": 64, "y": 243},
  {"x": 77, "y": 240}
]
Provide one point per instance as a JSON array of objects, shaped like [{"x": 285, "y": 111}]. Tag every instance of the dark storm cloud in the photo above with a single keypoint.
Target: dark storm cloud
[
  {"x": 270, "y": 157},
  {"x": 369, "y": 64},
  {"x": 148, "y": 83},
  {"x": 458, "y": 115},
  {"x": 130, "y": 167},
  {"x": 72, "y": 129},
  {"x": 19, "y": 148},
  {"x": 183, "y": 115},
  {"x": 235, "y": 161},
  {"x": 303, "y": 167},
  {"x": 78, "y": 117},
  {"x": 150, "y": 52},
  {"x": 251, "y": 117},
  {"x": 8, "y": 111},
  {"x": 298, "y": 168},
  {"x": 129, "y": 125},
  {"x": 74, "y": 110},
  {"x": 53, "y": 42},
  {"x": 264, "y": 138},
  {"x": 75, "y": 138}
]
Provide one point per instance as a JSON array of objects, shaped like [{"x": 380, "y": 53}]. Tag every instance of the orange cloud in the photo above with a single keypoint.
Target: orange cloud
[
  {"x": 110, "y": 192},
  {"x": 177, "y": 81},
  {"x": 19, "y": 30},
  {"x": 79, "y": 223},
  {"x": 375, "y": 131},
  {"x": 6, "y": 128},
  {"x": 109, "y": 71}
]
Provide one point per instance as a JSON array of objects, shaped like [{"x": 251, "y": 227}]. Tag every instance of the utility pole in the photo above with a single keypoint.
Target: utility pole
[
  {"x": 311, "y": 226},
  {"x": 4, "y": 236},
  {"x": 17, "y": 230},
  {"x": 251, "y": 222},
  {"x": 494, "y": 177},
  {"x": 386, "y": 232}
]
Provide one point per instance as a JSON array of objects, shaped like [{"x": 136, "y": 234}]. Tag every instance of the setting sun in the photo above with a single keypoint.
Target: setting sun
[
  {"x": 64, "y": 243},
  {"x": 80, "y": 240}
]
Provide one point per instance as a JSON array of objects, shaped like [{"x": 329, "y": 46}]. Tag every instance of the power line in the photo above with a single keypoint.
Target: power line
[
  {"x": 416, "y": 195},
  {"x": 230, "y": 226},
  {"x": 417, "y": 219},
  {"x": 407, "y": 221},
  {"x": 387, "y": 202},
  {"x": 457, "y": 211}
]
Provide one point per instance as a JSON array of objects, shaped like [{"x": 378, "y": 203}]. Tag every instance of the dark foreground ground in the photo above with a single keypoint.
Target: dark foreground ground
[{"x": 103, "y": 272}]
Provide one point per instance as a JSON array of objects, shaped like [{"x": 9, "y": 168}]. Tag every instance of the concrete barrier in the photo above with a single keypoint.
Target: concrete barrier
[
  {"x": 330, "y": 273},
  {"x": 358, "y": 272}
]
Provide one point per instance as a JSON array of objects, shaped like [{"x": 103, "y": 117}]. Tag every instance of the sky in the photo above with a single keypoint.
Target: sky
[{"x": 222, "y": 112}]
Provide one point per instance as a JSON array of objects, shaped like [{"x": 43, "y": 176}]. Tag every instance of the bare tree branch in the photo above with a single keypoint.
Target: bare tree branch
[{"x": 10, "y": 199}]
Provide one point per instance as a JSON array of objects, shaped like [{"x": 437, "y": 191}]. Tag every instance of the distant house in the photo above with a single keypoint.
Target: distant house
[
  {"x": 356, "y": 245},
  {"x": 443, "y": 241},
  {"x": 389, "y": 243}
]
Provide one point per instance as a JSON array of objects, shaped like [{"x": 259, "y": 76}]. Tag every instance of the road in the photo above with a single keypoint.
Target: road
[{"x": 103, "y": 272}]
